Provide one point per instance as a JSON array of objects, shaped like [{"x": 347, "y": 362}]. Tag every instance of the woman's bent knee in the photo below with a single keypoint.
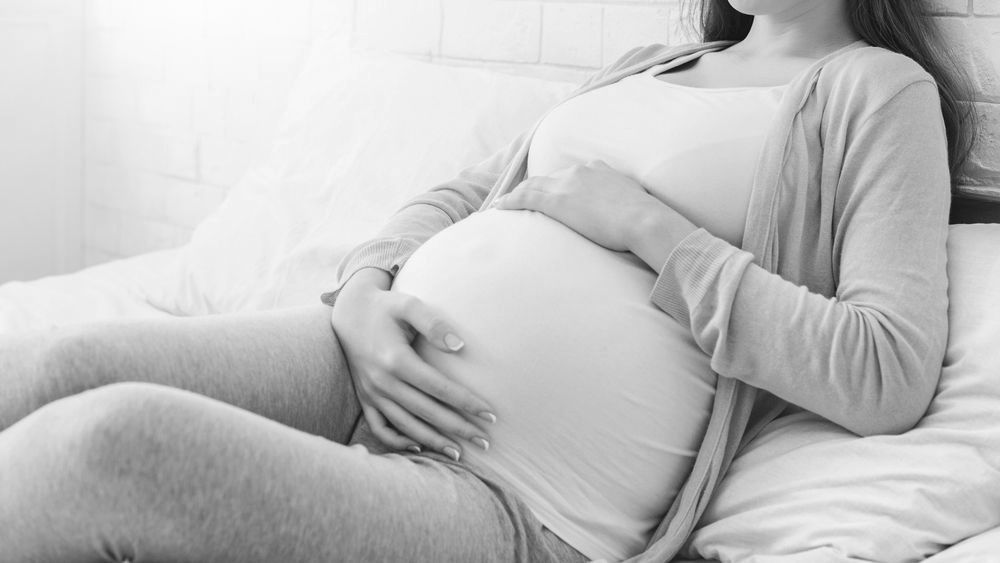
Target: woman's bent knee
[{"x": 89, "y": 466}]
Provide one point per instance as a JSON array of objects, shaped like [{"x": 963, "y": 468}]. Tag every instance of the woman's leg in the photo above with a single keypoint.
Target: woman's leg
[
  {"x": 150, "y": 473},
  {"x": 285, "y": 365}
]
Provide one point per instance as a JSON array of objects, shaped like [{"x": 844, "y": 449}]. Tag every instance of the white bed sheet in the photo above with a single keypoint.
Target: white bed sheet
[{"x": 114, "y": 290}]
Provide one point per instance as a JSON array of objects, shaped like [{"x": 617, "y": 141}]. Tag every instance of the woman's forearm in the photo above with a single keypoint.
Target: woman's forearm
[
  {"x": 422, "y": 217},
  {"x": 867, "y": 352}
]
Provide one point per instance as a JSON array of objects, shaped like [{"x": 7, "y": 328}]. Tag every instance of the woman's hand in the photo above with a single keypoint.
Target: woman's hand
[
  {"x": 376, "y": 329},
  {"x": 593, "y": 199},
  {"x": 605, "y": 206}
]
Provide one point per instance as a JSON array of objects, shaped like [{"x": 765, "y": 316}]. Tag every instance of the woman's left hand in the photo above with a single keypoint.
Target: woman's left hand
[{"x": 593, "y": 199}]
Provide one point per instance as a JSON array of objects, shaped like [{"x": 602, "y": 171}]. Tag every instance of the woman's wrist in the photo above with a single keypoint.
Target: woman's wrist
[
  {"x": 368, "y": 278},
  {"x": 657, "y": 232}
]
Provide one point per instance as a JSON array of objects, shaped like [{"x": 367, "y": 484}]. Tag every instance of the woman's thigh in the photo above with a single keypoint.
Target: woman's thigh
[
  {"x": 148, "y": 473},
  {"x": 286, "y": 365}
]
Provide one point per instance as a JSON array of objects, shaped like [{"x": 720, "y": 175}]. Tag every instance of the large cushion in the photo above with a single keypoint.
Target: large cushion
[
  {"x": 808, "y": 490},
  {"x": 363, "y": 132}
]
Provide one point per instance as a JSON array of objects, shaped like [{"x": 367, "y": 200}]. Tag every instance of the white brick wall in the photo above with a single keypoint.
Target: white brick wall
[
  {"x": 40, "y": 128},
  {"x": 181, "y": 95}
]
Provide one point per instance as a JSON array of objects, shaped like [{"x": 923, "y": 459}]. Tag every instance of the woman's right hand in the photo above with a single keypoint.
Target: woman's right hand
[{"x": 404, "y": 399}]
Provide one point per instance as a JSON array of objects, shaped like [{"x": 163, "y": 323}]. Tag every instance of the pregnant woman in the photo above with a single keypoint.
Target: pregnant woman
[{"x": 556, "y": 355}]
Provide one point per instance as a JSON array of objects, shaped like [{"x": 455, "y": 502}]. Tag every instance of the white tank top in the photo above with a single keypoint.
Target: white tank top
[{"x": 602, "y": 398}]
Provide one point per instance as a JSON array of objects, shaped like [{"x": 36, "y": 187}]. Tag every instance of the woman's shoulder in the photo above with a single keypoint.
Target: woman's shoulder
[{"x": 870, "y": 76}]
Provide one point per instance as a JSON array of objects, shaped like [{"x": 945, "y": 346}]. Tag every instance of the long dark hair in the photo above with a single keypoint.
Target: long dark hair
[{"x": 896, "y": 25}]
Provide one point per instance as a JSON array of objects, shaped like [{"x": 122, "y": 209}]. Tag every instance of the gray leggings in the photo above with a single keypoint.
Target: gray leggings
[{"x": 223, "y": 439}]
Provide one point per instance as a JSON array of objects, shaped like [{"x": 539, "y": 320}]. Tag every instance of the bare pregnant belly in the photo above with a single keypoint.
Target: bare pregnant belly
[{"x": 602, "y": 398}]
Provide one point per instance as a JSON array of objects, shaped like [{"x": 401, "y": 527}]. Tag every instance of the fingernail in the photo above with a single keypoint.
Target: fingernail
[
  {"x": 482, "y": 443},
  {"x": 451, "y": 452},
  {"x": 453, "y": 342},
  {"x": 414, "y": 449},
  {"x": 488, "y": 417}
]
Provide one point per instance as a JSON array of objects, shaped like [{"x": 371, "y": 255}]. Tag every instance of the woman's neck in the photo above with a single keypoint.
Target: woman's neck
[{"x": 809, "y": 29}]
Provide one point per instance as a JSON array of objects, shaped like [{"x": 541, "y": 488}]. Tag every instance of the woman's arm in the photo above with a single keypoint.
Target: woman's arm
[
  {"x": 424, "y": 216},
  {"x": 868, "y": 358},
  {"x": 444, "y": 205}
]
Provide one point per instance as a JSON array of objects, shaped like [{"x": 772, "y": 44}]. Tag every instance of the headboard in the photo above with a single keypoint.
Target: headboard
[{"x": 975, "y": 205}]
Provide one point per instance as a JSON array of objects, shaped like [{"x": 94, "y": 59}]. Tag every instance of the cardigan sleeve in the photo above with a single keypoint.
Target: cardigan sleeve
[
  {"x": 422, "y": 217},
  {"x": 869, "y": 357},
  {"x": 444, "y": 205}
]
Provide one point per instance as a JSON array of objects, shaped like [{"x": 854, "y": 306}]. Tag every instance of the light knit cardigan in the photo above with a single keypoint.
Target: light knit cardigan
[{"x": 837, "y": 301}]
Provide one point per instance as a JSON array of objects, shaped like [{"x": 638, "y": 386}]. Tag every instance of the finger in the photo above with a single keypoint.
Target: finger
[
  {"x": 532, "y": 183},
  {"x": 530, "y": 198},
  {"x": 441, "y": 416},
  {"x": 385, "y": 433},
  {"x": 419, "y": 430},
  {"x": 429, "y": 323},
  {"x": 412, "y": 369}
]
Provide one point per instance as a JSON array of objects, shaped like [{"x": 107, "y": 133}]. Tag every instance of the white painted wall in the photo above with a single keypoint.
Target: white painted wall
[
  {"x": 181, "y": 96},
  {"x": 40, "y": 137}
]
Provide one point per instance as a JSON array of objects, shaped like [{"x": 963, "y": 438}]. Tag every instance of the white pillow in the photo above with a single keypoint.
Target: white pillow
[
  {"x": 363, "y": 133},
  {"x": 808, "y": 490}
]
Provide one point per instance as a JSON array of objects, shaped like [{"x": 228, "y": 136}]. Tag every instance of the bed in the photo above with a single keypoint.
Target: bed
[{"x": 805, "y": 491}]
